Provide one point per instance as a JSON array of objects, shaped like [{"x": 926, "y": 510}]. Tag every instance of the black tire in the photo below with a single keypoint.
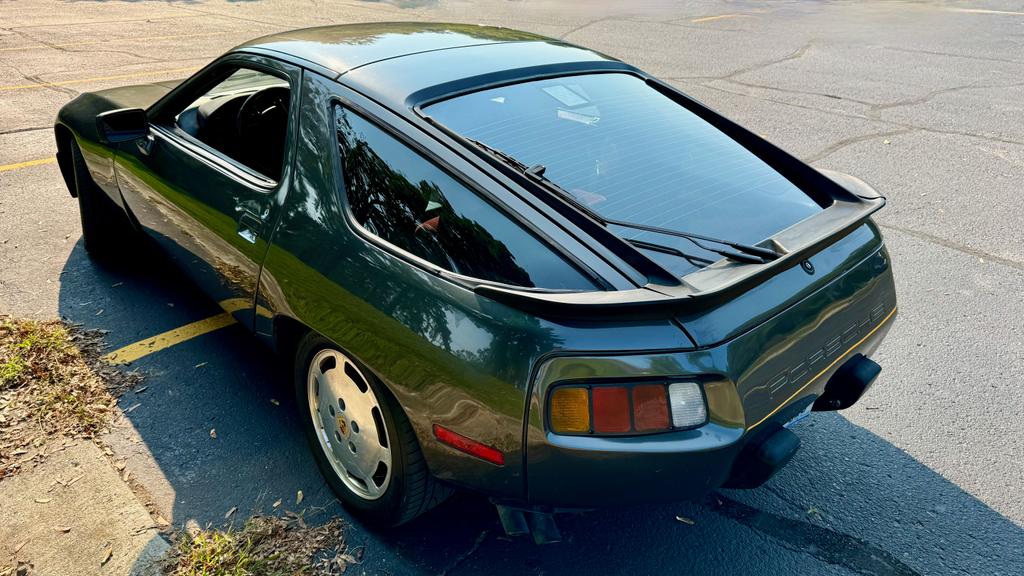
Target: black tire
[
  {"x": 412, "y": 490},
  {"x": 106, "y": 230}
]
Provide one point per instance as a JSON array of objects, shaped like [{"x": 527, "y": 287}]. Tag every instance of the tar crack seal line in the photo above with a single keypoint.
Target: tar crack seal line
[{"x": 820, "y": 542}]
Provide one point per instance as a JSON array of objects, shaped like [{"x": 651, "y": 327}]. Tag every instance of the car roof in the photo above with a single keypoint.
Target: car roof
[{"x": 397, "y": 59}]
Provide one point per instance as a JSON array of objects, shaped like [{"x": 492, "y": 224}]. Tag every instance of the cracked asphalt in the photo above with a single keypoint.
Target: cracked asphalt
[{"x": 924, "y": 100}]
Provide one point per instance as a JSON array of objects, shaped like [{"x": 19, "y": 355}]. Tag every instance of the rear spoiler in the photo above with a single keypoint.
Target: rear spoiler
[{"x": 718, "y": 282}]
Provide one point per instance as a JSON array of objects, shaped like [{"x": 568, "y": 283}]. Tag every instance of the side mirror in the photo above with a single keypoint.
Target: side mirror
[{"x": 122, "y": 125}]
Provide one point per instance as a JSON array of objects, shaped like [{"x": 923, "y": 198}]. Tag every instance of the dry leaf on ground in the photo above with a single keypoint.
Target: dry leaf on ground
[
  {"x": 107, "y": 554},
  {"x": 54, "y": 369}
]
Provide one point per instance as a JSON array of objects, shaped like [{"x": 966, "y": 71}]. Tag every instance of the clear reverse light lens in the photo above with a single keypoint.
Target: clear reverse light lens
[{"x": 687, "y": 404}]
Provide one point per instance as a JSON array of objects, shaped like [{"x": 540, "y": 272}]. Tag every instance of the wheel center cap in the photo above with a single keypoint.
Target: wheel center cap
[{"x": 342, "y": 426}]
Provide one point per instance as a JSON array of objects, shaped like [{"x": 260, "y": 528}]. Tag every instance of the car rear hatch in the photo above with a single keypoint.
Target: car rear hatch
[
  {"x": 710, "y": 326},
  {"x": 660, "y": 185},
  {"x": 786, "y": 336}
]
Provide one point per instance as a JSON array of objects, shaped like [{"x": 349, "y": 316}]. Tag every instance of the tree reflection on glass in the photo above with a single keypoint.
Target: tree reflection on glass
[{"x": 420, "y": 208}]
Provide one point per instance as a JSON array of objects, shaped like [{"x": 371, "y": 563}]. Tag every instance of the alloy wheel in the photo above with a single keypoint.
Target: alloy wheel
[{"x": 349, "y": 424}]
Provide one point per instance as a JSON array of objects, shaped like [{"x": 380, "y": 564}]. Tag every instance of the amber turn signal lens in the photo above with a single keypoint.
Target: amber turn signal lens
[{"x": 569, "y": 411}]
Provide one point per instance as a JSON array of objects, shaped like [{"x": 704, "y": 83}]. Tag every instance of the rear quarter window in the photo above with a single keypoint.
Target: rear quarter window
[{"x": 403, "y": 198}]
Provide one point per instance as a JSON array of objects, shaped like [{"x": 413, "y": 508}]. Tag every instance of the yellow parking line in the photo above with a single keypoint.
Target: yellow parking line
[
  {"x": 232, "y": 305},
  {"x": 111, "y": 41},
  {"x": 44, "y": 83},
  {"x": 137, "y": 350},
  {"x": 27, "y": 163},
  {"x": 719, "y": 17}
]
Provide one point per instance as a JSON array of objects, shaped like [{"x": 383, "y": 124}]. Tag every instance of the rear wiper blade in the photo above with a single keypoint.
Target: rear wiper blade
[
  {"x": 740, "y": 253},
  {"x": 744, "y": 252},
  {"x": 695, "y": 260},
  {"x": 504, "y": 156},
  {"x": 536, "y": 173}
]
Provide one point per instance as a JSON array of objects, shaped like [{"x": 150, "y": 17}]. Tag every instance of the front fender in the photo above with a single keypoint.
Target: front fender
[{"x": 77, "y": 119}]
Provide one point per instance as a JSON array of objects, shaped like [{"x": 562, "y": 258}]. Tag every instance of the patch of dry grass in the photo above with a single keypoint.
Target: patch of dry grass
[
  {"x": 53, "y": 386},
  {"x": 264, "y": 546}
]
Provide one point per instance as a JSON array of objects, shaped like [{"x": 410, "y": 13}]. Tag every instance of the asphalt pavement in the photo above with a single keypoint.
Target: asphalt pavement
[{"x": 924, "y": 100}]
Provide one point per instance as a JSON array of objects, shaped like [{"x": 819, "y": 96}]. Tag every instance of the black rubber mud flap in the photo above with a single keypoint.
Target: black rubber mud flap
[{"x": 763, "y": 457}]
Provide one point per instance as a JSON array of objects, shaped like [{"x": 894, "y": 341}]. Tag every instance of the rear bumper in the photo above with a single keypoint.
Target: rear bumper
[{"x": 754, "y": 384}]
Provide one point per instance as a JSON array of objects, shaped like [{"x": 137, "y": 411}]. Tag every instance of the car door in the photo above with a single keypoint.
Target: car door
[{"x": 208, "y": 181}]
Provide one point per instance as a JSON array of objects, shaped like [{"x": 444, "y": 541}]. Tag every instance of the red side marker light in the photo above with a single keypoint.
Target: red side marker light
[{"x": 468, "y": 445}]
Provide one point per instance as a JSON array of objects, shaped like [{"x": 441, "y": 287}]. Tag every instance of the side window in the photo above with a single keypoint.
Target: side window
[
  {"x": 403, "y": 198},
  {"x": 245, "y": 117}
]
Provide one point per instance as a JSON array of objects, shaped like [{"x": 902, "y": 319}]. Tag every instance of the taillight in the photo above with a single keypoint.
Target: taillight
[
  {"x": 650, "y": 408},
  {"x": 609, "y": 410},
  {"x": 570, "y": 410},
  {"x": 687, "y": 403}
]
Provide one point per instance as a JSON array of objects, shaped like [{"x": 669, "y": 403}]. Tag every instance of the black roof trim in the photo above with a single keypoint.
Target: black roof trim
[{"x": 447, "y": 90}]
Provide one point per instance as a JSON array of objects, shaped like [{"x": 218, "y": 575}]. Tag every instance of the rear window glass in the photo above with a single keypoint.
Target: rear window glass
[
  {"x": 403, "y": 198},
  {"x": 631, "y": 153}
]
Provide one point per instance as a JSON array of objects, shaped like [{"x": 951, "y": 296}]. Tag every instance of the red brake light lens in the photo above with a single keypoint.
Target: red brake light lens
[
  {"x": 610, "y": 405},
  {"x": 650, "y": 408}
]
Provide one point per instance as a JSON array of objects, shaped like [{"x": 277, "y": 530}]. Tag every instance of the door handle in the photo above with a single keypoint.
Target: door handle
[{"x": 249, "y": 226}]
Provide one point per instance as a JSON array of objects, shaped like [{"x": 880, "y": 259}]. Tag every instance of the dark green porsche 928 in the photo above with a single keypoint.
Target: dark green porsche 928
[{"x": 497, "y": 261}]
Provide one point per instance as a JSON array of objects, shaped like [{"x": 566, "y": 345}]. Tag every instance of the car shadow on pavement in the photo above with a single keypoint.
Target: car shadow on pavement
[{"x": 849, "y": 502}]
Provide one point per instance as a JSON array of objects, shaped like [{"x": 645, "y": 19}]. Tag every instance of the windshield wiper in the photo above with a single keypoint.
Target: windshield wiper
[{"x": 740, "y": 252}]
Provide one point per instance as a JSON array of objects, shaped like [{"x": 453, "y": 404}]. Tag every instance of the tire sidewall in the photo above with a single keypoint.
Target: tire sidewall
[
  {"x": 386, "y": 510},
  {"x": 105, "y": 227},
  {"x": 86, "y": 199}
]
